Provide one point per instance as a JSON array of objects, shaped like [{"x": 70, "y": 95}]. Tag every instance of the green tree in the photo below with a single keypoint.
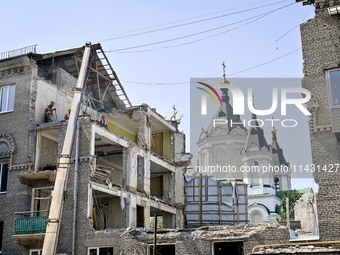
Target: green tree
[
  {"x": 294, "y": 196},
  {"x": 159, "y": 222}
]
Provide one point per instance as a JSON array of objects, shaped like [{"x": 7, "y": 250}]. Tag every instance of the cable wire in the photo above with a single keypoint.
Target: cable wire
[
  {"x": 190, "y": 35},
  {"x": 238, "y": 72},
  {"x": 193, "y": 22},
  {"x": 204, "y": 38}
]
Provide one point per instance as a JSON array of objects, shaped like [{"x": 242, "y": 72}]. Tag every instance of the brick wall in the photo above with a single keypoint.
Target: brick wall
[{"x": 320, "y": 46}]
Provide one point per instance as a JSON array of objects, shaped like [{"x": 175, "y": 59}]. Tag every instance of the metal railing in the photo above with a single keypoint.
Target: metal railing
[
  {"x": 32, "y": 222},
  {"x": 18, "y": 52}
]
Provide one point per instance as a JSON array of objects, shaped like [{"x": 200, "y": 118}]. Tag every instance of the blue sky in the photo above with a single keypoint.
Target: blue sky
[{"x": 270, "y": 35}]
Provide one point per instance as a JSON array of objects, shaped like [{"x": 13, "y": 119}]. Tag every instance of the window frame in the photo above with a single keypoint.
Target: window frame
[
  {"x": 98, "y": 249},
  {"x": 34, "y": 199},
  {"x": 35, "y": 250},
  {"x": 329, "y": 88},
  {"x": 2, "y": 176},
  {"x": 8, "y": 98}
]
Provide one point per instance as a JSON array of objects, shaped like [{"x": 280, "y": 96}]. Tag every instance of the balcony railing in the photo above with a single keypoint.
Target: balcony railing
[{"x": 33, "y": 222}]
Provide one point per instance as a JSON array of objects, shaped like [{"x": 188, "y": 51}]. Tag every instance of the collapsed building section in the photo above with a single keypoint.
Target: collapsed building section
[{"x": 126, "y": 163}]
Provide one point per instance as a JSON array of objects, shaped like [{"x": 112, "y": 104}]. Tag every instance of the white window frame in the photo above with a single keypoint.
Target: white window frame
[
  {"x": 34, "y": 199},
  {"x": 35, "y": 250},
  {"x": 1, "y": 176},
  {"x": 9, "y": 104},
  {"x": 97, "y": 248},
  {"x": 330, "y": 92}
]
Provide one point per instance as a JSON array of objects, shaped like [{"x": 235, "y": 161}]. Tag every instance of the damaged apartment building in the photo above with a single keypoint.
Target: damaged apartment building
[{"x": 126, "y": 162}]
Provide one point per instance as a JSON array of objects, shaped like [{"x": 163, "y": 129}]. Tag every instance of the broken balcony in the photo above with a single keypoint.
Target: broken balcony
[
  {"x": 46, "y": 158},
  {"x": 30, "y": 227}
]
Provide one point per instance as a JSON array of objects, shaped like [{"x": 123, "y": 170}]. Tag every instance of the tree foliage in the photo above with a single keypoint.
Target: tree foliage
[
  {"x": 159, "y": 222},
  {"x": 294, "y": 196}
]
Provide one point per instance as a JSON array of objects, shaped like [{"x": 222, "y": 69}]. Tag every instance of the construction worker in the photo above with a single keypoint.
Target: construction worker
[
  {"x": 49, "y": 112},
  {"x": 67, "y": 115},
  {"x": 104, "y": 121}
]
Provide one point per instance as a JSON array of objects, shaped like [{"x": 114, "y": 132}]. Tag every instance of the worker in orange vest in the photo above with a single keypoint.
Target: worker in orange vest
[{"x": 49, "y": 112}]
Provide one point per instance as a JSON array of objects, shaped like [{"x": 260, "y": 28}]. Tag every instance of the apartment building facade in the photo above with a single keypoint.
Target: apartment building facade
[
  {"x": 320, "y": 47},
  {"x": 122, "y": 171}
]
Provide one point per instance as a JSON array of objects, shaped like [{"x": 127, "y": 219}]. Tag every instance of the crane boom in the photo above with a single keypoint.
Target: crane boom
[{"x": 57, "y": 199}]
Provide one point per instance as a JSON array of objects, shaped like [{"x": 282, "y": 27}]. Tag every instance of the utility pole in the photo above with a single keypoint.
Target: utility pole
[
  {"x": 287, "y": 212},
  {"x": 200, "y": 200},
  {"x": 155, "y": 236}
]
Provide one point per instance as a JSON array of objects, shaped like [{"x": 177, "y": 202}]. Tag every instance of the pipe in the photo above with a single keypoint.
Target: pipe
[
  {"x": 293, "y": 244},
  {"x": 75, "y": 190}
]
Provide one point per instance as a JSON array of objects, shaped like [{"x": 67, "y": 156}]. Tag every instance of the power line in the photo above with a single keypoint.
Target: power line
[
  {"x": 204, "y": 38},
  {"x": 238, "y": 72},
  {"x": 192, "y": 22},
  {"x": 266, "y": 63},
  {"x": 168, "y": 23},
  {"x": 295, "y": 26},
  {"x": 190, "y": 35}
]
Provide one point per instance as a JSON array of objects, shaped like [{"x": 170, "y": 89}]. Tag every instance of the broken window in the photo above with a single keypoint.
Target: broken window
[
  {"x": 100, "y": 251},
  {"x": 164, "y": 249},
  {"x": 235, "y": 248},
  {"x": 3, "y": 177},
  {"x": 7, "y": 94},
  {"x": 41, "y": 201}
]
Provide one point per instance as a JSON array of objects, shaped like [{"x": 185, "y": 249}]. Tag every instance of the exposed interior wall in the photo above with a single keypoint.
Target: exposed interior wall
[
  {"x": 168, "y": 187},
  {"x": 157, "y": 143},
  {"x": 46, "y": 93},
  {"x": 121, "y": 132},
  {"x": 168, "y": 220},
  {"x": 156, "y": 188},
  {"x": 163, "y": 145},
  {"x": 168, "y": 145},
  {"x": 107, "y": 212},
  {"x": 113, "y": 164},
  {"x": 48, "y": 153}
]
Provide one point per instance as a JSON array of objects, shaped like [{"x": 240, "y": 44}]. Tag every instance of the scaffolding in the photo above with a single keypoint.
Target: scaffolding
[{"x": 215, "y": 202}]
